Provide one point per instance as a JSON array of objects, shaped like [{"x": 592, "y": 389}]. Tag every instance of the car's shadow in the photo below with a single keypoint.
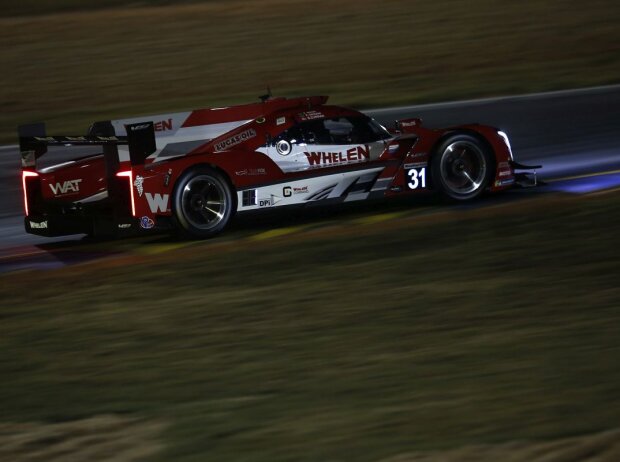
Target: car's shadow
[{"x": 249, "y": 223}]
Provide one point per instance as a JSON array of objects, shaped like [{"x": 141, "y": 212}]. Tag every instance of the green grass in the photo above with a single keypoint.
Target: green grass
[
  {"x": 72, "y": 68},
  {"x": 25, "y": 8},
  {"x": 354, "y": 345}
]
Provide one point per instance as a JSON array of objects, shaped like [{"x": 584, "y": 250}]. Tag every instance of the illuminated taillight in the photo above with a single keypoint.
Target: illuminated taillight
[
  {"x": 25, "y": 175},
  {"x": 129, "y": 175}
]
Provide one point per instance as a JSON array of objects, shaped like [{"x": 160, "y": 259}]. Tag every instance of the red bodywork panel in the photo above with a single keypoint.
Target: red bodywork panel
[{"x": 74, "y": 181}]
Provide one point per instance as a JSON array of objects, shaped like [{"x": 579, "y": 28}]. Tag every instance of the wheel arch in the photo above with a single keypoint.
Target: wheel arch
[
  {"x": 461, "y": 131},
  {"x": 183, "y": 225},
  {"x": 208, "y": 165}
]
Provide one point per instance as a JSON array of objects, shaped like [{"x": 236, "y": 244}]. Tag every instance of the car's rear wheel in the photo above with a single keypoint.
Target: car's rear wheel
[
  {"x": 462, "y": 167},
  {"x": 203, "y": 203}
]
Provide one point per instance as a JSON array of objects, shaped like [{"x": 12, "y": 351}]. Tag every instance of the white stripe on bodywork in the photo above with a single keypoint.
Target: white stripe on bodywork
[
  {"x": 177, "y": 119},
  {"x": 297, "y": 159},
  {"x": 342, "y": 186},
  {"x": 188, "y": 139},
  {"x": 180, "y": 140},
  {"x": 56, "y": 167},
  {"x": 382, "y": 184},
  {"x": 275, "y": 194}
]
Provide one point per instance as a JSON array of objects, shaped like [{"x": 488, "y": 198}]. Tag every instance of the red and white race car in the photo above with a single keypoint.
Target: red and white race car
[{"x": 192, "y": 171}]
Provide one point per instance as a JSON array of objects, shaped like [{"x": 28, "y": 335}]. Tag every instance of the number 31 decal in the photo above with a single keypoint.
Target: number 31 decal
[{"x": 416, "y": 178}]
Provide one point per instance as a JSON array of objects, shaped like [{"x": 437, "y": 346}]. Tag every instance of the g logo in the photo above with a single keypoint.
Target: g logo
[
  {"x": 287, "y": 191},
  {"x": 283, "y": 147}
]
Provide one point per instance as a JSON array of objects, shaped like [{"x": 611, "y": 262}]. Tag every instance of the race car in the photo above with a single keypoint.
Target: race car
[{"x": 192, "y": 171}]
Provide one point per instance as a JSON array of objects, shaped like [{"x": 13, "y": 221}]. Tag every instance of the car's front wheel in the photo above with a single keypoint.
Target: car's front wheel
[
  {"x": 462, "y": 167},
  {"x": 203, "y": 203}
]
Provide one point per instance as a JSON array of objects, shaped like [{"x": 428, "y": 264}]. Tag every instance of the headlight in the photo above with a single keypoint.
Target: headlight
[{"x": 507, "y": 141}]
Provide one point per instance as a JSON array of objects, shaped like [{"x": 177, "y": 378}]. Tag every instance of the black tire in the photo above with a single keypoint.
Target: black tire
[
  {"x": 462, "y": 167},
  {"x": 202, "y": 203}
]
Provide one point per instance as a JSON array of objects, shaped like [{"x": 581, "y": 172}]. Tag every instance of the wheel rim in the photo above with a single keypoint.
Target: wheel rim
[
  {"x": 463, "y": 168},
  {"x": 203, "y": 202}
]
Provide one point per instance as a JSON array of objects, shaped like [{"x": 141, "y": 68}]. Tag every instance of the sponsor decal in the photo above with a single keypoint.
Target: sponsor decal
[
  {"x": 504, "y": 182},
  {"x": 273, "y": 200},
  {"x": 357, "y": 154},
  {"x": 138, "y": 183},
  {"x": 310, "y": 115},
  {"x": 283, "y": 147},
  {"x": 416, "y": 178},
  {"x": 260, "y": 120},
  {"x": 235, "y": 140},
  {"x": 41, "y": 225},
  {"x": 505, "y": 173},
  {"x": 415, "y": 165},
  {"x": 146, "y": 223},
  {"x": 162, "y": 125},
  {"x": 68, "y": 187},
  {"x": 413, "y": 155},
  {"x": 411, "y": 123},
  {"x": 251, "y": 172},
  {"x": 135, "y": 128},
  {"x": 126, "y": 225},
  {"x": 107, "y": 138},
  {"x": 158, "y": 203},
  {"x": 167, "y": 177},
  {"x": 502, "y": 165},
  {"x": 28, "y": 158},
  {"x": 288, "y": 191},
  {"x": 280, "y": 120}
]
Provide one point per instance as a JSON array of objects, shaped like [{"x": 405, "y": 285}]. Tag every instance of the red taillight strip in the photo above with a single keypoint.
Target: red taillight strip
[
  {"x": 129, "y": 174},
  {"x": 27, "y": 174}
]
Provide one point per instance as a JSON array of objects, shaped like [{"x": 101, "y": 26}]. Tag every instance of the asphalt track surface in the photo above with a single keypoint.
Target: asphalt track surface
[{"x": 573, "y": 134}]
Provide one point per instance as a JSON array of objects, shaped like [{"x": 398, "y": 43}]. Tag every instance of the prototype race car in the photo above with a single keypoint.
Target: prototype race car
[{"x": 191, "y": 171}]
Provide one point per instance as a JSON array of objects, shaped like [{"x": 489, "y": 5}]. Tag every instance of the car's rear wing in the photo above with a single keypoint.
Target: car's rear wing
[{"x": 140, "y": 139}]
